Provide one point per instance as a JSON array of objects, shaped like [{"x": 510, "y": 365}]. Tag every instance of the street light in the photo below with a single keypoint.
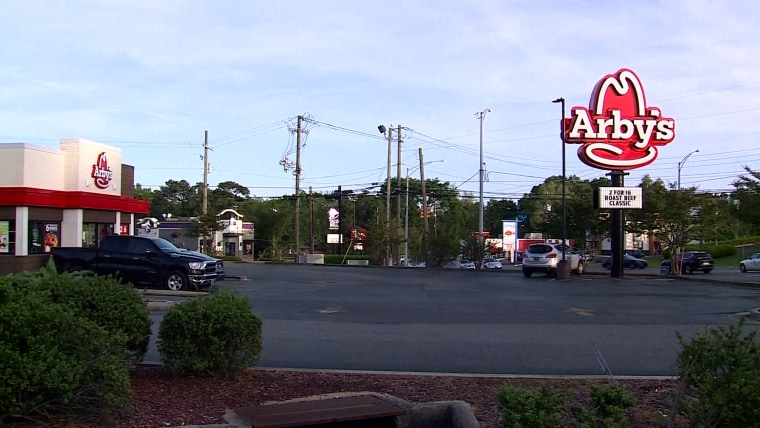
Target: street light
[
  {"x": 563, "y": 271},
  {"x": 406, "y": 222},
  {"x": 680, "y": 165}
]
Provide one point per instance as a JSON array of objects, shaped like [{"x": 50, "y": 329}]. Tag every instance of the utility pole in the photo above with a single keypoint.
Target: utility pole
[
  {"x": 297, "y": 233},
  {"x": 388, "y": 256},
  {"x": 311, "y": 221},
  {"x": 481, "y": 115},
  {"x": 398, "y": 194},
  {"x": 340, "y": 220},
  {"x": 424, "y": 211},
  {"x": 205, "y": 186},
  {"x": 205, "y": 173}
]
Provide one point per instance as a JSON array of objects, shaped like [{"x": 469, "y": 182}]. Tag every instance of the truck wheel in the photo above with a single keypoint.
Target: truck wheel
[
  {"x": 175, "y": 280},
  {"x": 687, "y": 269}
]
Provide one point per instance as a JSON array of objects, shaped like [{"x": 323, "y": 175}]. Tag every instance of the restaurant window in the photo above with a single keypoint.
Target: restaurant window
[
  {"x": 93, "y": 233},
  {"x": 7, "y": 237},
  {"x": 43, "y": 235}
]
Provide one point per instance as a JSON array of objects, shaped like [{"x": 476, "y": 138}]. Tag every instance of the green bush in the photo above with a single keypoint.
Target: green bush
[
  {"x": 55, "y": 363},
  {"x": 102, "y": 300},
  {"x": 717, "y": 251},
  {"x": 608, "y": 406},
  {"x": 530, "y": 408},
  {"x": 742, "y": 241},
  {"x": 721, "y": 369},
  {"x": 232, "y": 259},
  {"x": 337, "y": 259},
  {"x": 215, "y": 335}
]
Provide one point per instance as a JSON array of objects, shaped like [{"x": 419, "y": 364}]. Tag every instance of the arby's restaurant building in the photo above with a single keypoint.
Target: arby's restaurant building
[{"x": 71, "y": 196}]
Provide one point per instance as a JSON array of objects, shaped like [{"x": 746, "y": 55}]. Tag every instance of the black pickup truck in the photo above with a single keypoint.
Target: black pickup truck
[{"x": 142, "y": 261}]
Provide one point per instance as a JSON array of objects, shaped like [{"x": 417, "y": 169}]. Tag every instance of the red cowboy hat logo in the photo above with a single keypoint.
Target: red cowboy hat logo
[
  {"x": 618, "y": 131},
  {"x": 101, "y": 172}
]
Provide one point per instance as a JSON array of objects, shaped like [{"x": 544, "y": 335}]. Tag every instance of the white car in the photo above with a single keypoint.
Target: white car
[
  {"x": 544, "y": 258},
  {"x": 752, "y": 263},
  {"x": 466, "y": 264},
  {"x": 491, "y": 264}
]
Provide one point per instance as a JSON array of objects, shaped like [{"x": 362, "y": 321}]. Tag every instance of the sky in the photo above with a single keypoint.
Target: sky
[{"x": 151, "y": 77}]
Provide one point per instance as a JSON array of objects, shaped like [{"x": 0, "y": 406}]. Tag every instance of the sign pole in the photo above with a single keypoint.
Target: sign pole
[{"x": 617, "y": 235}]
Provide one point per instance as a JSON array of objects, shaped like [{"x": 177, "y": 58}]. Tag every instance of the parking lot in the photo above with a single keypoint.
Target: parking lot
[{"x": 366, "y": 318}]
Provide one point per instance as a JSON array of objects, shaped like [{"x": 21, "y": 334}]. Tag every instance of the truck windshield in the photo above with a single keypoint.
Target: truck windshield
[{"x": 165, "y": 246}]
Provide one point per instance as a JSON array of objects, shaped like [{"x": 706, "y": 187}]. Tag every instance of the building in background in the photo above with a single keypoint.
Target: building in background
[
  {"x": 71, "y": 196},
  {"x": 235, "y": 238}
]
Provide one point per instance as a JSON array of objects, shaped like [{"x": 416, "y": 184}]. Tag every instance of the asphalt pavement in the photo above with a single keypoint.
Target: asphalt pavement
[{"x": 481, "y": 322}]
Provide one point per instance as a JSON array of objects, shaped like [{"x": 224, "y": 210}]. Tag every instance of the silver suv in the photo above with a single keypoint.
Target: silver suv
[{"x": 544, "y": 258}]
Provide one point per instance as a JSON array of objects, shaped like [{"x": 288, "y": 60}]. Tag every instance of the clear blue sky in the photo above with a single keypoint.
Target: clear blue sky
[{"x": 151, "y": 76}]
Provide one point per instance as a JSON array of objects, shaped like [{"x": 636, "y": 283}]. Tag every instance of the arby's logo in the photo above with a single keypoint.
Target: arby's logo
[
  {"x": 101, "y": 172},
  {"x": 618, "y": 131}
]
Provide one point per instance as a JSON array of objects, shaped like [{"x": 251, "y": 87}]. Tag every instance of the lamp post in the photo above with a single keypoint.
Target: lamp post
[
  {"x": 680, "y": 165},
  {"x": 406, "y": 222},
  {"x": 563, "y": 270}
]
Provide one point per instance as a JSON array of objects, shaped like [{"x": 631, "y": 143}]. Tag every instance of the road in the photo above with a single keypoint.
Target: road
[{"x": 489, "y": 322}]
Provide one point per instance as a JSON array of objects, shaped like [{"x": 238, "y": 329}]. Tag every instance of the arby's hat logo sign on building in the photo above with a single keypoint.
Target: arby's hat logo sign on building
[
  {"x": 101, "y": 172},
  {"x": 618, "y": 131}
]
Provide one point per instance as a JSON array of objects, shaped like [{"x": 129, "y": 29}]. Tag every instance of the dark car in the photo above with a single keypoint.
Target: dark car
[
  {"x": 692, "y": 261},
  {"x": 638, "y": 254},
  {"x": 629, "y": 262}
]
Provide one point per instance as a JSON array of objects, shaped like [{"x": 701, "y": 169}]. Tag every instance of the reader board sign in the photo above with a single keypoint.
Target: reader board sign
[{"x": 618, "y": 197}]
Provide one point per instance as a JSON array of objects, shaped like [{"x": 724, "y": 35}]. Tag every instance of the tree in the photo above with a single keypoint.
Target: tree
[
  {"x": 227, "y": 194},
  {"x": 543, "y": 206},
  {"x": 205, "y": 226},
  {"x": 177, "y": 198},
  {"x": 747, "y": 197},
  {"x": 142, "y": 193},
  {"x": 497, "y": 210},
  {"x": 671, "y": 216}
]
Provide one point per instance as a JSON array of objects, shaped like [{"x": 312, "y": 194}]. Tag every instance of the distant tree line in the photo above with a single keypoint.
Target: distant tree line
[{"x": 673, "y": 216}]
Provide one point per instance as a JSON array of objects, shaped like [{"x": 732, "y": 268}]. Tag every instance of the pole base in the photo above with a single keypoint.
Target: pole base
[{"x": 563, "y": 269}]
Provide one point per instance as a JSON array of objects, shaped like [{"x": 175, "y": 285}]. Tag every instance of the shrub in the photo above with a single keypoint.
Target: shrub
[
  {"x": 216, "y": 335},
  {"x": 608, "y": 406},
  {"x": 721, "y": 368},
  {"x": 336, "y": 259},
  {"x": 717, "y": 251},
  {"x": 530, "y": 408},
  {"x": 103, "y": 300},
  {"x": 54, "y": 363}
]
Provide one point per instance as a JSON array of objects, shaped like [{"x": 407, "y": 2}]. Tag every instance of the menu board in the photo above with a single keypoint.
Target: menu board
[
  {"x": 52, "y": 236},
  {"x": 5, "y": 238}
]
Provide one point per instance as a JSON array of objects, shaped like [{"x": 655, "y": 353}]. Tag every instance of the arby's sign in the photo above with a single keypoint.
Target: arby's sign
[
  {"x": 101, "y": 172},
  {"x": 618, "y": 131}
]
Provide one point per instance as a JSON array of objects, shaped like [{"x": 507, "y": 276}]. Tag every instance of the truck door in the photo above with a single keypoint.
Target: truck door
[
  {"x": 145, "y": 261},
  {"x": 108, "y": 259}
]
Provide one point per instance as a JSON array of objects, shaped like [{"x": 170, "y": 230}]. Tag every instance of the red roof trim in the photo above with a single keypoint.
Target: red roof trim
[{"x": 34, "y": 197}]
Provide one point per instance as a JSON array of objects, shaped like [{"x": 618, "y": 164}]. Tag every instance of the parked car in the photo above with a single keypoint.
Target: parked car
[
  {"x": 142, "y": 261},
  {"x": 637, "y": 254},
  {"x": 692, "y": 261},
  {"x": 629, "y": 262},
  {"x": 752, "y": 263},
  {"x": 466, "y": 264},
  {"x": 545, "y": 257},
  {"x": 491, "y": 264}
]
